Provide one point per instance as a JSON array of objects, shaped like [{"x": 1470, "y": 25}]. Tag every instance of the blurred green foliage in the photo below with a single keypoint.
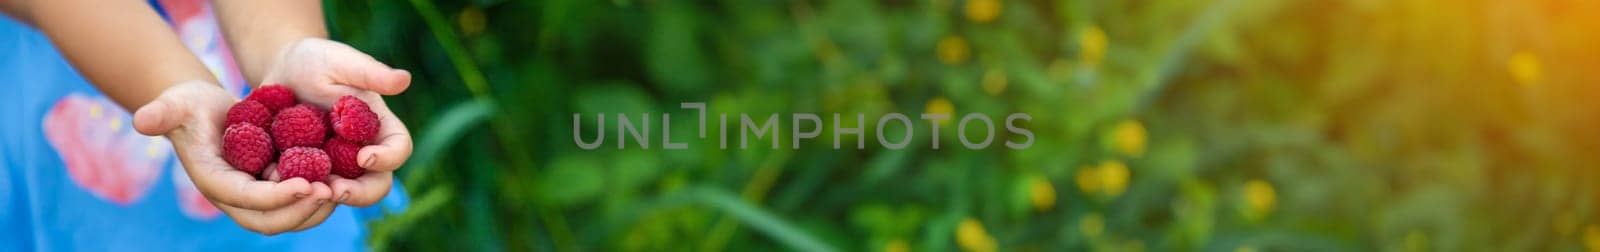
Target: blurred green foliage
[{"x": 1162, "y": 125}]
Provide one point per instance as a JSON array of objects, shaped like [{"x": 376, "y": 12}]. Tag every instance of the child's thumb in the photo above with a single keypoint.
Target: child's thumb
[
  {"x": 158, "y": 117},
  {"x": 369, "y": 74}
]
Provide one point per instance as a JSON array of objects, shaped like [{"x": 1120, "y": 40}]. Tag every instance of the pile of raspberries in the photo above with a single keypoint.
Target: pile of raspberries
[{"x": 305, "y": 142}]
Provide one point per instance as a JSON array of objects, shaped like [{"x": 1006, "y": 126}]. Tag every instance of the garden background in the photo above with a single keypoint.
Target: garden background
[{"x": 1231, "y": 125}]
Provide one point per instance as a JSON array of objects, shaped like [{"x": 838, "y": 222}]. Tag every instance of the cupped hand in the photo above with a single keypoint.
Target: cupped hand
[
  {"x": 321, "y": 71},
  {"x": 190, "y": 114}
]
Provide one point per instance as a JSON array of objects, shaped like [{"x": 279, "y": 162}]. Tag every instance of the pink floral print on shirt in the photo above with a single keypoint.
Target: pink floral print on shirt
[{"x": 102, "y": 152}]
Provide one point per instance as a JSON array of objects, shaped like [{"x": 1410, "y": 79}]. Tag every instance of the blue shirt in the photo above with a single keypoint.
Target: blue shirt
[{"x": 74, "y": 175}]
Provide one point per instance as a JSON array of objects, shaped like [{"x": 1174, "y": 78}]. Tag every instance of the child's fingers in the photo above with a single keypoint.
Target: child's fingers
[
  {"x": 363, "y": 191},
  {"x": 220, "y": 182},
  {"x": 367, "y": 73},
  {"x": 393, "y": 145},
  {"x": 246, "y": 192},
  {"x": 316, "y": 218},
  {"x": 275, "y": 221}
]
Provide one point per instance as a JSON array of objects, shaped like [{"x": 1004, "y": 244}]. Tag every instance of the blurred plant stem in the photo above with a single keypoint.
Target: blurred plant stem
[
  {"x": 473, "y": 78},
  {"x": 1177, "y": 52},
  {"x": 754, "y": 191}
]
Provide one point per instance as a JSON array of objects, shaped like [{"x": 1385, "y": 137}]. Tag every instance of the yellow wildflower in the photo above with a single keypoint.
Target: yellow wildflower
[
  {"x": 1113, "y": 177},
  {"x": 1041, "y": 193},
  {"x": 1525, "y": 68},
  {"x": 952, "y": 50},
  {"x": 1129, "y": 137},
  {"x": 940, "y": 105},
  {"x": 1092, "y": 45},
  {"x": 972, "y": 237},
  {"x": 1109, "y": 178},
  {"x": 983, "y": 11},
  {"x": 994, "y": 81},
  {"x": 1088, "y": 179},
  {"x": 1260, "y": 198}
]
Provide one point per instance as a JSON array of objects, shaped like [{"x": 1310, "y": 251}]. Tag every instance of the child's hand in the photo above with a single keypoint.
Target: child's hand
[
  {"x": 320, "y": 71},
  {"x": 190, "y": 114}
]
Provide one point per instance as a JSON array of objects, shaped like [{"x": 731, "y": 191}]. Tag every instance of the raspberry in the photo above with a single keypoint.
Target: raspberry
[
  {"x": 246, "y": 147},
  {"x": 353, "y": 120},
  {"x": 275, "y": 97},
  {"x": 304, "y": 162},
  {"x": 251, "y": 112},
  {"x": 299, "y": 126},
  {"x": 343, "y": 152}
]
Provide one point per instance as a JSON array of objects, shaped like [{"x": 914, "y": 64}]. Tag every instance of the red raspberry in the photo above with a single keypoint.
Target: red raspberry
[
  {"x": 275, "y": 97},
  {"x": 353, "y": 120},
  {"x": 304, "y": 162},
  {"x": 299, "y": 126},
  {"x": 247, "y": 147},
  {"x": 343, "y": 152},
  {"x": 251, "y": 112}
]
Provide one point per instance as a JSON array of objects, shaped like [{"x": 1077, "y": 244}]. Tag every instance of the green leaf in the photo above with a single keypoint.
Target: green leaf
[
  {"x": 758, "y": 218},
  {"x": 571, "y": 179},
  {"x": 443, "y": 133}
]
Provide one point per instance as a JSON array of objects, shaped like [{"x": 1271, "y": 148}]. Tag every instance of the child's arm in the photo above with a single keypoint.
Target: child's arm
[
  {"x": 284, "y": 42},
  {"x": 126, "y": 50},
  {"x": 260, "y": 31},
  {"x": 122, "y": 47}
]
